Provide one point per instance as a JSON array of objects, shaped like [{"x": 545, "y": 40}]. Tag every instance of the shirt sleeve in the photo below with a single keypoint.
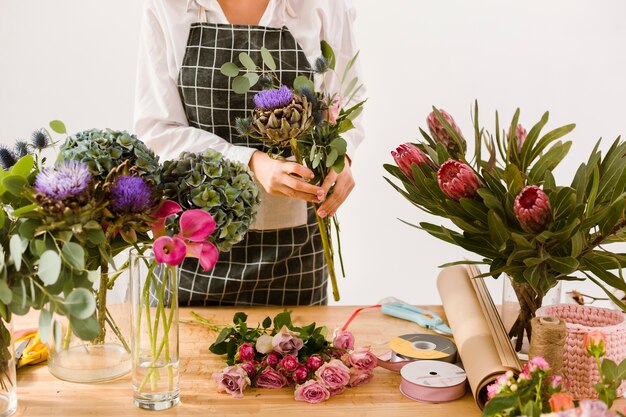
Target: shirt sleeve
[
  {"x": 338, "y": 32},
  {"x": 159, "y": 117}
]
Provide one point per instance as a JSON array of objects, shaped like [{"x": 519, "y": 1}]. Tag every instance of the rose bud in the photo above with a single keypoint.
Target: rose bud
[
  {"x": 532, "y": 209},
  {"x": 272, "y": 359},
  {"x": 594, "y": 343},
  {"x": 264, "y": 344},
  {"x": 457, "y": 180},
  {"x": 363, "y": 359},
  {"x": 408, "y": 154},
  {"x": 290, "y": 363},
  {"x": 250, "y": 368},
  {"x": 359, "y": 377},
  {"x": 441, "y": 135},
  {"x": 301, "y": 374},
  {"x": 561, "y": 402},
  {"x": 314, "y": 362},
  {"x": 343, "y": 340},
  {"x": 246, "y": 352}
]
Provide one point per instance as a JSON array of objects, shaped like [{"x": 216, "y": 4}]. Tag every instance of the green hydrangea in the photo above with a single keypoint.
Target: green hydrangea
[
  {"x": 221, "y": 187},
  {"x": 103, "y": 150}
]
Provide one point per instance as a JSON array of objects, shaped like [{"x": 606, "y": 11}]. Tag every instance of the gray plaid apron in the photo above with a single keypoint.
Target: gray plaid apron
[{"x": 269, "y": 267}]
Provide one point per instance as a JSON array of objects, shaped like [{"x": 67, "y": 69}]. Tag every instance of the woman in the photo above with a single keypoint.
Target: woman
[{"x": 184, "y": 103}]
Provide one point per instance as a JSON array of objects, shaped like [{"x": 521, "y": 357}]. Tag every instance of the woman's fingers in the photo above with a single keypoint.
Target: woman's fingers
[{"x": 344, "y": 184}]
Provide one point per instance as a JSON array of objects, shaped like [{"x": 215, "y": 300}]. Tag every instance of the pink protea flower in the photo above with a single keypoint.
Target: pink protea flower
[
  {"x": 441, "y": 135},
  {"x": 408, "y": 154},
  {"x": 520, "y": 135},
  {"x": 532, "y": 209},
  {"x": 457, "y": 180}
]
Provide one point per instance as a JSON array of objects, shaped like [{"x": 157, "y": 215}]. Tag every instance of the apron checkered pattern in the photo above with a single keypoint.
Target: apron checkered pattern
[{"x": 269, "y": 267}]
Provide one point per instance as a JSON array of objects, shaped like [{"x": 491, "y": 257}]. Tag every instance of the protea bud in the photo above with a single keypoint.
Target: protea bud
[
  {"x": 520, "y": 135},
  {"x": 441, "y": 135},
  {"x": 457, "y": 180},
  {"x": 281, "y": 115},
  {"x": 532, "y": 209},
  {"x": 408, "y": 154}
]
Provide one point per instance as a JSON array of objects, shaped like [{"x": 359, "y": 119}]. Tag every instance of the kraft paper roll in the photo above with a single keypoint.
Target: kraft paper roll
[
  {"x": 548, "y": 340},
  {"x": 481, "y": 339}
]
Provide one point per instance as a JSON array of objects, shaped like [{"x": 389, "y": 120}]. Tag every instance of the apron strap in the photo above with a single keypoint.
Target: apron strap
[{"x": 202, "y": 14}]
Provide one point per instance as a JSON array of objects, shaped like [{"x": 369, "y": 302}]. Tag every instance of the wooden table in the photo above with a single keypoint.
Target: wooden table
[{"x": 39, "y": 393}]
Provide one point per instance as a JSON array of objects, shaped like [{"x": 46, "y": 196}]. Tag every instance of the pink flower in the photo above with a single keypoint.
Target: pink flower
[
  {"x": 594, "y": 343},
  {"x": 233, "y": 380},
  {"x": 561, "y": 402},
  {"x": 336, "y": 391},
  {"x": 250, "y": 368},
  {"x": 166, "y": 209},
  {"x": 359, "y": 377},
  {"x": 169, "y": 250},
  {"x": 290, "y": 363},
  {"x": 537, "y": 363},
  {"x": 441, "y": 135},
  {"x": 333, "y": 374},
  {"x": 457, "y": 180},
  {"x": 520, "y": 135},
  {"x": 205, "y": 252},
  {"x": 314, "y": 362},
  {"x": 333, "y": 110},
  {"x": 532, "y": 209},
  {"x": 286, "y": 342},
  {"x": 311, "y": 392},
  {"x": 270, "y": 378},
  {"x": 301, "y": 374},
  {"x": 264, "y": 344},
  {"x": 246, "y": 352},
  {"x": 408, "y": 154},
  {"x": 362, "y": 358},
  {"x": 343, "y": 340},
  {"x": 555, "y": 381},
  {"x": 272, "y": 359},
  {"x": 196, "y": 225}
]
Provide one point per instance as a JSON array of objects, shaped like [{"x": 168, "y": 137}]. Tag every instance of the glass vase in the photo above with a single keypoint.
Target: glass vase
[
  {"x": 155, "y": 360},
  {"x": 8, "y": 383},
  {"x": 108, "y": 356},
  {"x": 519, "y": 304}
]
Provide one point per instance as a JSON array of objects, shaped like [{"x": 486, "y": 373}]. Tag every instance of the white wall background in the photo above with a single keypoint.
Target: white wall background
[{"x": 75, "y": 60}]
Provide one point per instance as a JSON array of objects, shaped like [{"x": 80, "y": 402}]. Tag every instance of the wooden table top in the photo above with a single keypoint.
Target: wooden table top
[{"x": 40, "y": 393}]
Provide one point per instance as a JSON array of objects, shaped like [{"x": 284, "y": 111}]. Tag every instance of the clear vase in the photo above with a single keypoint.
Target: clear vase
[
  {"x": 8, "y": 383},
  {"x": 108, "y": 356},
  {"x": 519, "y": 304},
  {"x": 155, "y": 360}
]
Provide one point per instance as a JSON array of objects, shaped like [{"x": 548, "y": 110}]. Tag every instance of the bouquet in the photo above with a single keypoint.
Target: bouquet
[
  {"x": 511, "y": 212},
  {"x": 305, "y": 122},
  {"x": 286, "y": 355}
]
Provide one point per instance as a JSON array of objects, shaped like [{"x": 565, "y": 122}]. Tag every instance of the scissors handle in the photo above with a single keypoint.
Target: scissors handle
[{"x": 414, "y": 314}]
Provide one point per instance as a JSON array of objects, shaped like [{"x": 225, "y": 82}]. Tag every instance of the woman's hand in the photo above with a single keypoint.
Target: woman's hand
[
  {"x": 344, "y": 183},
  {"x": 281, "y": 178}
]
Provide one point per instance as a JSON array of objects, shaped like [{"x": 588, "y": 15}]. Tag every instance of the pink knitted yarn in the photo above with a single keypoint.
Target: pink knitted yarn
[{"x": 580, "y": 369}]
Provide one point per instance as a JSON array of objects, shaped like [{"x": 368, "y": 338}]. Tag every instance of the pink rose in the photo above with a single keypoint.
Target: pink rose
[
  {"x": 301, "y": 374},
  {"x": 233, "y": 380},
  {"x": 359, "y": 377},
  {"x": 264, "y": 344},
  {"x": 290, "y": 363},
  {"x": 250, "y": 368},
  {"x": 333, "y": 110},
  {"x": 311, "y": 392},
  {"x": 537, "y": 363},
  {"x": 246, "y": 352},
  {"x": 314, "y": 362},
  {"x": 272, "y": 359},
  {"x": 336, "y": 391},
  {"x": 286, "y": 342},
  {"x": 594, "y": 343},
  {"x": 269, "y": 378},
  {"x": 362, "y": 358},
  {"x": 333, "y": 375},
  {"x": 343, "y": 340}
]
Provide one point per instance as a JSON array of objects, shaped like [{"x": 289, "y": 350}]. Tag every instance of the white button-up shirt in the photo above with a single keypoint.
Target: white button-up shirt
[{"x": 160, "y": 119}]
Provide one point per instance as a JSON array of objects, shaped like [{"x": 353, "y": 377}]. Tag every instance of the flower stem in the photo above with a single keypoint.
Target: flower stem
[{"x": 102, "y": 301}]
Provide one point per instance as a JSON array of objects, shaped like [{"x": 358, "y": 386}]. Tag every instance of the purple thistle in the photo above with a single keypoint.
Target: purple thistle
[
  {"x": 69, "y": 179},
  {"x": 130, "y": 195},
  {"x": 273, "y": 99}
]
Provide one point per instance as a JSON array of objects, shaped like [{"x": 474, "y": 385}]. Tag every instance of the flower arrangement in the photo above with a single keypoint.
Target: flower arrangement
[
  {"x": 285, "y": 355},
  {"x": 303, "y": 122},
  {"x": 509, "y": 209}
]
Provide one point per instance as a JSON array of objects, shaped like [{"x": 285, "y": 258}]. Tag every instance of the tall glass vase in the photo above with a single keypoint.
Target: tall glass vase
[
  {"x": 155, "y": 360},
  {"x": 8, "y": 389}
]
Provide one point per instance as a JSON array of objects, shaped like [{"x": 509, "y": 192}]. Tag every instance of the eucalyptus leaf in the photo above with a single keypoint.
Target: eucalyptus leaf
[
  {"x": 6, "y": 295},
  {"x": 49, "y": 267},
  {"x": 241, "y": 85},
  {"x": 246, "y": 61},
  {"x": 229, "y": 69},
  {"x": 58, "y": 127},
  {"x": 17, "y": 246},
  {"x": 80, "y": 303},
  {"x": 86, "y": 329},
  {"x": 268, "y": 60},
  {"x": 328, "y": 54},
  {"x": 331, "y": 157},
  {"x": 302, "y": 82},
  {"x": 45, "y": 325},
  {"x": 252, "y": 77},
  {"x": 74, "y": 255}
]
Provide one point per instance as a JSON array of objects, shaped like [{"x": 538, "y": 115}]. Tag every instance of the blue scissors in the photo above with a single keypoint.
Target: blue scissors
[{"x": 425, "y": 318}]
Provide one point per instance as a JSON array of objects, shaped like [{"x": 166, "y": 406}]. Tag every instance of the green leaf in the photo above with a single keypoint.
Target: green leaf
[
  {"x": 328, "y": 54},
  {"x": 252, "y": 77},
  {"x": 240, "y": 317},
  {"x": 25, "y": 210},
  {"x": 45, "y": 325},
  {"x": 513, "y": 178},
  {"x": 340, "y": 145},
  {"x": 49, "y": 267},
  {"x": 301, "y": 82},
  {"x": 5, "y": 292},
  {"x": 499, "y": 404},
  {"x": 15, "y": 184},
  {"x": 17, "y": 246},
  {"x": 564, "y": 265},
  {"x": 268, "y": 60},
  {"x": 267, "y": 322},
  {"x": 224, "y": 333},
  {"x": 339, "y": 165},
  {"x": 229, "y": 69},
  {"x": 549, "y": 161},
  {"x": 348, "y": 90},
  {"x": 331, "y": 157},
  {"x": 497, "y": 229},
  {"x": 349, "y": 66},
  {"x": 246, "y": 61},
  {"x": 74, "y": 255},
  {"x": 56, "y": 334},
  {"x": 80, "y": 303},
  {"x": 58, "y": 126},
  {"x": 86, "y": 329},
  {"x": 24, "y": 166},
  {"x": 96, "y": 237},
  {"x": 345, "y": 125},
  {"x": 609, "y": 369},
  {"x": 282, "y": 319},
  {"x": 218, "y": 348},
  {"x": 241, "y": 85}
]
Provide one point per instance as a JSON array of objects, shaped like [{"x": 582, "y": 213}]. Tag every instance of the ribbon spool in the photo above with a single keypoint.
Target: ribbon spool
[
  {"x": 432, "y": 381},
  {"x": 548, "y": 341},
  {"x": 409, "y": 348}
]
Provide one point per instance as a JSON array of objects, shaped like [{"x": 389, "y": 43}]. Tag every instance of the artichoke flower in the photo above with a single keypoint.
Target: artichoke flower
[
  {"x": 532, "y": 209},
  {"x": 441, "y": 135},
  {"x": 281, "y": 115},
  {"x": 457, "y": 180}
]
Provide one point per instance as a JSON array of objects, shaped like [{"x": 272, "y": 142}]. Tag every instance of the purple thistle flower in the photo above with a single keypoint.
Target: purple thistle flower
[
  {"x": 69, "y": 179},
  {"x": 130, "y": 195},
  {"x": 273, "y": 99}
]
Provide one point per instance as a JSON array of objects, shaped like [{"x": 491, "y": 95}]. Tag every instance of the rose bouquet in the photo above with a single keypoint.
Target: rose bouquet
[
  {"x": 286, "y": 355},
  {"x": 297, "y": 120},
  {"x": 511, "y": 212}
]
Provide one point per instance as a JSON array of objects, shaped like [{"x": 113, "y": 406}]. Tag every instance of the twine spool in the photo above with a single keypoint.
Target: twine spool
[{"x": 548, "y": 340}]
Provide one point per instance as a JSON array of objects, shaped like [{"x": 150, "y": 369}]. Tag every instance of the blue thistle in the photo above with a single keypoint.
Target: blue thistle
[
  {"x": 321, "y": 65},
  {"x": 130, "y": 195},
  {"x": 7, "y": 157},
  {"x": 40, "y": 139},
  {"x": 70, "y": 179},
  {"x": 21, "y": 148},
  {"x": 273, "y": 99}
]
